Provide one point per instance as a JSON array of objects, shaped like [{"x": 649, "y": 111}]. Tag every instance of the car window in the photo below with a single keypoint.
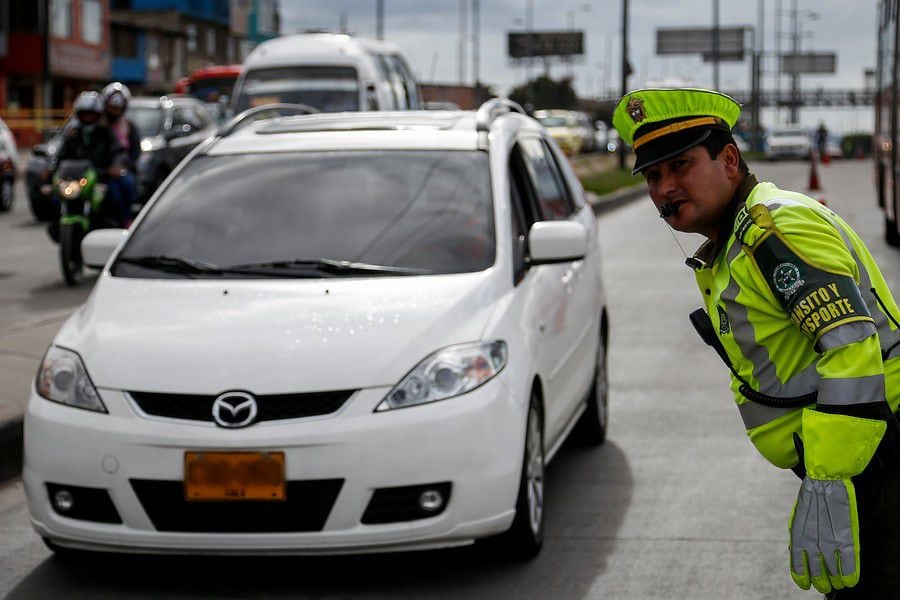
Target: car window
[
  {"x": 407, "y": 80},
  {"x": 329, "y": 89},
  {"x": 524, "y": 212},
  {"x": 428, "y": 210},
  {"x": 204, "y": 119},
  {"x": 147, "y": 119},
  {"x": 553, "y": 201}
]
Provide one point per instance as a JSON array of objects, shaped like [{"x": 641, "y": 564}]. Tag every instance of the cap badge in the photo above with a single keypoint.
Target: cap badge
[{"x": 635, "y": 109}]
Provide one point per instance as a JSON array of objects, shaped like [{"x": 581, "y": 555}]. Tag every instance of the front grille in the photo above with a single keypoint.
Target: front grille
[
  {"x": 305, "y": 508},
  {"x": 195, "y": 407}
]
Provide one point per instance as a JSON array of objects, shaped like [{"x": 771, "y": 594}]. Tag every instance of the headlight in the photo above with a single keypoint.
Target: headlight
[
  {"x": 449, "y": 372},
  {"x": 62, "y": 378},
  {"x": 70, "y": 189}
]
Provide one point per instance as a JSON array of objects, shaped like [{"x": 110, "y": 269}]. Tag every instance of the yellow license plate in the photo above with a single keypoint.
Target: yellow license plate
[{"x": 234, "y": 476}]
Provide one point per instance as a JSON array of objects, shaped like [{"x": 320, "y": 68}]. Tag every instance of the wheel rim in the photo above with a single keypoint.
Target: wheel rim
[
  {"x": 601, "y": 384},
  {"x": 534, "y": 473}
]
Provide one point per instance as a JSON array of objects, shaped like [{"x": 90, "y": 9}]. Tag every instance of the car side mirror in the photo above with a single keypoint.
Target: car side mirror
[
  {"x": 557, "y": 241},
  {"x": 99, "y": 245}
]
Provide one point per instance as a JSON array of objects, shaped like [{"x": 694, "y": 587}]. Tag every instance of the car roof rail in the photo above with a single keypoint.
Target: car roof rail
[
  {"x": 266, "y": 111},
  {"x": 492, "y": 109}
]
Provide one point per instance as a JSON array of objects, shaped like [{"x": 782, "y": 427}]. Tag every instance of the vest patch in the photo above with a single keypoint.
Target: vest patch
[
  {"x": 815, "y": 300},
  {"x": 724, "y": 323}
]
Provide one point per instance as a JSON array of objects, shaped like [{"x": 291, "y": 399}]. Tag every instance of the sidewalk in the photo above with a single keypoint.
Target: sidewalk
[{"x": 22, "y": 348}]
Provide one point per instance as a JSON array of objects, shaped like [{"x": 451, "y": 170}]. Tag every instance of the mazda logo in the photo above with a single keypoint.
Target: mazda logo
[{"x": 234, "y": 409}]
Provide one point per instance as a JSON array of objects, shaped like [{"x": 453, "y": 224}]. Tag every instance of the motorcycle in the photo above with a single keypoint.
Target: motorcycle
[{"x": 82, "y": 209}]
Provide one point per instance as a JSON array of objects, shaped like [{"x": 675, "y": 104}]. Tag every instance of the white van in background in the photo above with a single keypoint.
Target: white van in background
[{"x": 330, "y": 72}]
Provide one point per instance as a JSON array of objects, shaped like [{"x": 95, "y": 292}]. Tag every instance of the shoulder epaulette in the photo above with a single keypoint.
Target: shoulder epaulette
[{"x": 751, "y": 224}]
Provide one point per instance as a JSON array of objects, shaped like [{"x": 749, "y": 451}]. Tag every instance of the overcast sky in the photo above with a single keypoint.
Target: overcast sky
[{"x": 428, "y": 31}]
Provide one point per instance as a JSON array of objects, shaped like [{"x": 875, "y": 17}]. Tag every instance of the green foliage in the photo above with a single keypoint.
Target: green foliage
[
  {"x": 857, "y": 144},
  {"x": 610, "y": 181},
  {"x": 544, "y": 92}
]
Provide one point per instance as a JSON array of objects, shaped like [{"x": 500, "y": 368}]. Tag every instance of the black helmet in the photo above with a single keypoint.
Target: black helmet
[{"x": 88, "y": 102}]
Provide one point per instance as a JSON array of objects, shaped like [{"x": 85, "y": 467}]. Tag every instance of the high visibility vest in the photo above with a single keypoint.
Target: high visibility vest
[{"x": 800, "y": 306}]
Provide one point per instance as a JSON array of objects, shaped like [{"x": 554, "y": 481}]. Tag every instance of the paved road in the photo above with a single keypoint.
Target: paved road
[{"x": 676, "y": 505}]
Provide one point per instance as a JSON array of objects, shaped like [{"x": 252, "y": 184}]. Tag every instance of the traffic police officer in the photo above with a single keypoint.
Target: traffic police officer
[{"x": 799, "y": 311}]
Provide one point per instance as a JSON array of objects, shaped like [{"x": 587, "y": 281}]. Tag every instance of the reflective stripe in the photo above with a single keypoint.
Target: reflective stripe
[
  {"x": 846, "y": 334},
  {"x": 755, "y": 415},
  {"x": 852, "y": 390},
  {"x": 764, "y": 369}
]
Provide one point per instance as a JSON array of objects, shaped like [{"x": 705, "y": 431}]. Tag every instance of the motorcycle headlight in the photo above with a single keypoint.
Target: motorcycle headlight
[
  {"x": 63, "y": 378},
  {"x": 70, "y": 189},
  {"x": 449, "y": 372}
]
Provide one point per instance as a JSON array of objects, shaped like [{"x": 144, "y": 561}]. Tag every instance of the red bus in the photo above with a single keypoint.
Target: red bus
[
  {"x": 887, "y": 158},
  {"x": 209, "y": 83}
]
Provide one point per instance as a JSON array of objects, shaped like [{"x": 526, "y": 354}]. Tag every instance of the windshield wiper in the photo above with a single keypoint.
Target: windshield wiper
[
  {"x": 324, "y": 266},
  {"x": 173, "y": 264}
]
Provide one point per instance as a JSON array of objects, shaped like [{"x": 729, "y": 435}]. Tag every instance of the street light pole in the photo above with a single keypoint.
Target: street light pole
[
  {"x": 715, "y": 41},
  {"x": 379, "y": 19}
]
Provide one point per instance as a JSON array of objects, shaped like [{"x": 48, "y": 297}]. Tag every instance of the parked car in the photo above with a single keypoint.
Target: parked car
[
  {"x": 9, "y": 158},
  {"x": 329, "y": 333},
  {"x": 170, "y": 127},
  {"x": 787, "y": 142},
  {"x": 566, "y": 129},
  {"x": 329, "y": 72}
]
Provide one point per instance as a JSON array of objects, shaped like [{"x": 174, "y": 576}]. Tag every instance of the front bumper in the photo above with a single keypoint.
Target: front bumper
[{"x": 474, "y": 442}]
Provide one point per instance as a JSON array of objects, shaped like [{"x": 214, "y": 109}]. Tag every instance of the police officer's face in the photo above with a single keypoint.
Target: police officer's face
[{"x": 698, "y": 186}]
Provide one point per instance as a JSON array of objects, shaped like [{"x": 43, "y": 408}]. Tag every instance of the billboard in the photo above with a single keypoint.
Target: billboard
[
  {"x": 822, "y": 63},
  {"x": 545, "y": 43},
  {"x": 700, "y": 41}
]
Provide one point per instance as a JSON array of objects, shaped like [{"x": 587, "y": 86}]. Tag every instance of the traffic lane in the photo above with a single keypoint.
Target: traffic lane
[
  {"x": 588, "y": 492},
  {"x": 32, "y": 286}
]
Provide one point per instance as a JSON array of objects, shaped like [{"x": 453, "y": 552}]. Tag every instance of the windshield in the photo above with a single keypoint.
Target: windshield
[
  {"x": 410, "y": 212},
  {"x": 209, "y": 89},
  {"x": 147, "y": 119},
  {"x": 329, "y": 89},
  {"x": 553, "y": 121}
]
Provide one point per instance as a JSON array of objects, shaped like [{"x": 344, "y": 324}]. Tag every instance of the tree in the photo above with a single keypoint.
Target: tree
[{"x": 544, "y": 92}]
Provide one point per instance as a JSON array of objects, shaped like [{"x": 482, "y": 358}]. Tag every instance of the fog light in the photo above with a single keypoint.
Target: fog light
[
  {"x": 431, "y": 500},
  {"x": 64, "y": 501}
]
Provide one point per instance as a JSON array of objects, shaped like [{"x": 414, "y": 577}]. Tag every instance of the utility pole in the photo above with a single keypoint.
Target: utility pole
[
  {"x": 379, "y": 19},
  {"x": 778, "y": 58},
  {"x": 715, "y": 41},
  {"x": 626, "y": 69},
  {"x": 529, "y": 32},
  {"x": 759, "y": 48},
  {"x": 476, "y": 41},
  {"x": 462, "y": 42},
  {"x": 795, "y": 77}
]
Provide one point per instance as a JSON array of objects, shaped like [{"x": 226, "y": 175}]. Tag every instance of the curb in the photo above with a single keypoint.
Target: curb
[
  {"x": 11, "y": 448},
  {"x": 616, "y": 199}
]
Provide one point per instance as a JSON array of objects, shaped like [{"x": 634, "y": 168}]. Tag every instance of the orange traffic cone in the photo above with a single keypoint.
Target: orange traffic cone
[{"x": 813, "y": 176}]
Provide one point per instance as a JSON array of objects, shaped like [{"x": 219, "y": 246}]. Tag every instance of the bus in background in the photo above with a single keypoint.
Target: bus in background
[
  {"x": 885, "y": 141},
  {"x": 212, "y": 85},
  {"x": 329, "y": 72}
]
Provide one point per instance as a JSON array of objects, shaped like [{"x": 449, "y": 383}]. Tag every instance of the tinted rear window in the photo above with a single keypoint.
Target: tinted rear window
[{"x": 329, "y": 89}]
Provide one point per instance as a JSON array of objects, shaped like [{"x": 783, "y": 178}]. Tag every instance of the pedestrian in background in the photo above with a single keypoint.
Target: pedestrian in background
[
  {"x": 821, "y": 140},
  {"x": 801, "y": 314}
]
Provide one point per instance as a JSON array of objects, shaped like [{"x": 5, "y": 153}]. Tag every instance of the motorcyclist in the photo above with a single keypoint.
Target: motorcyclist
[{"x": 116, "y": 97}]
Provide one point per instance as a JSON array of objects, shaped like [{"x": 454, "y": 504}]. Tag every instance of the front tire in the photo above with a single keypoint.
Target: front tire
[
  {"x": 7, "y": 195},
  {"x": 525, "y": 538},
  {"x": 70, "y": 260},
  {"x": 891, "y": 235}
]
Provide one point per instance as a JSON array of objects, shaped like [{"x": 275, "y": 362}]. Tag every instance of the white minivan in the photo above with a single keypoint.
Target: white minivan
[{"x": 329, "y": 72}]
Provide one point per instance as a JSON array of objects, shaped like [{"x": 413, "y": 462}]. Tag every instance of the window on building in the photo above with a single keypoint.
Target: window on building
[
  {"x": 91, "y": 21},
  {"x": 61, "y": 18},
  {"x": 266, "y": 17},
  {"x": 210, "y": 41},
  {"x": 191, "y": 37},
  {"x": 24, "y": 17},
  {"x": 124, "y": 42}
]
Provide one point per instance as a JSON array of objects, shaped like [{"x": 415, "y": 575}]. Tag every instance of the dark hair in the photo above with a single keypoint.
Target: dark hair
[{"x": 717, "y": 141}]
